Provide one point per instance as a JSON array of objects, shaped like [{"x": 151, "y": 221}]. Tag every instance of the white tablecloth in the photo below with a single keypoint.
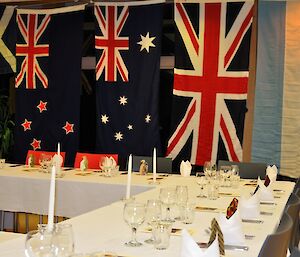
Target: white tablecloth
[
  {"x": 105, "y": 229},
  {"x": 28, "y": 191}
]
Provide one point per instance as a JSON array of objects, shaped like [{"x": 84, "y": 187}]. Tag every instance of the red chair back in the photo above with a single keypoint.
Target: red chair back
[
  {"x": 93, "y": 159},
  {"x": 37, "y": 154}
]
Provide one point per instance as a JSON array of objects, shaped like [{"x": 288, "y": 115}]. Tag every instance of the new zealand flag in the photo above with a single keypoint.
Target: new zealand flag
[
  {"x": 47, "y": 84},
  {"x": 210, "y": 80},
  {"x": 8, "y": 36},
  {"x": 127, "y": 46}
]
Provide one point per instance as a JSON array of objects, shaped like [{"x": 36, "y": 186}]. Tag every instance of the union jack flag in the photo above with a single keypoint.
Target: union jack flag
[
  {"x": 211, "y": 74},
  {"x": 31, "y": 31},
  {"x": 111, "y": 20},
  {"x": 49, "y": 56}
]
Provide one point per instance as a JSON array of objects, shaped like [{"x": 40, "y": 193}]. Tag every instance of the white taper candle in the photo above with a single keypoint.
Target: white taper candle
[
  {"x": 129, "y": 177},
  {"x": 154, "y": 165},
  {"x": 51, "y": 200}
]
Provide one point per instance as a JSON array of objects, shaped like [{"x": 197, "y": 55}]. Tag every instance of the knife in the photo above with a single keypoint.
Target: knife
[
  {"x": 252, "y": 221},
  {"x": 266, "y": 213},
  {"x": 227, "y": 247},
  {"x": 268, "y": 203}
]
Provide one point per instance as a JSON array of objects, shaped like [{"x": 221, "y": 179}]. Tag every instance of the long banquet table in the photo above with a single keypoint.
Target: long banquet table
[
  {"x": 24, "y": 189},
  {"x": 104, "y": 228}
]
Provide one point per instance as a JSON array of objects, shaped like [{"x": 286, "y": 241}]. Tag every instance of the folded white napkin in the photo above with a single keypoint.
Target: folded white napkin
[
  {"x": 249, "y": 208},
  {"x": 189, "y": 247},
  {"x": 185, "y": 168},
  {"x": 232, "y": 229},
  {"x": 265, "y": 193},
  {"x": 272, "y": 172},
  {"x": 108, "y": 162}
]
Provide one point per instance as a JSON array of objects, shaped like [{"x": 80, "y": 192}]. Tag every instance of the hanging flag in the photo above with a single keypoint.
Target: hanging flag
[
  {"x": 47, "y": 83},
  {"x": 127, "y": 44},
  {"x": 8, "y": 29},
  {"x": 277, "y": 93},
  {"x": 210, "y": 80}
]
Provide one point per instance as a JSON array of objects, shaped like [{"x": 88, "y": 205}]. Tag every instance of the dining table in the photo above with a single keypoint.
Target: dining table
[{"x": 103, "y": 229}]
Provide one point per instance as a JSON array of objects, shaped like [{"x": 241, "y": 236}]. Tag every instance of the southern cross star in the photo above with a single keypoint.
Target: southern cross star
[{"x": 146, "y": 42}]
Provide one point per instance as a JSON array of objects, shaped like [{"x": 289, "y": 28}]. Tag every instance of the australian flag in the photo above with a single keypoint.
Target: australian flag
[
  {"x": 127, "y": 43},
  {"x": 8, "y": 36},
  {"x": 47, "y": 83},
  {"x": 210, "y": 80}
]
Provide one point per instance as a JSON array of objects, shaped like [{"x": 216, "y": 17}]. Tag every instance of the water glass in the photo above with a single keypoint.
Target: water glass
[
  {"x": 63, "y": 240},
  {"x": 235, "y": 181},
  {"x": 162, "y": 233},
  {"x": 189, "y": 213},
  {"x": 182, "y": 198},
  {"x": 168, "y": 197},
  {"x": 39, "y": 244},
  {"x": 153, "y": 216},
  {"x": 213, "y": 189}
]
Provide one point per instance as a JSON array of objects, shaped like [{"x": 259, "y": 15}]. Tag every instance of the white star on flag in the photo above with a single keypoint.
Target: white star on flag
[
  {"x": 123, "y": 100},
  {"x": 148, "y": 118},
  {"x": 118, "y": 136},
  {"x": 104, "y": 118},
  {"x": 146, "y": 42},
  {"x": 130, "y": 127}
]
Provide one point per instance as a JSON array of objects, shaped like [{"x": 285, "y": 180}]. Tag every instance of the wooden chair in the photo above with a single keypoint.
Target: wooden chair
[
  {"x": 37, "y": 155},
  {"x": 276, "y": 244},
  {"x": 164, "y": 165},
  {"x": 295, "y": 252},
  {"x": 248, "y": 170},
  {"x": 292, "y": 208},
  {"x": 93, "y": 159}
]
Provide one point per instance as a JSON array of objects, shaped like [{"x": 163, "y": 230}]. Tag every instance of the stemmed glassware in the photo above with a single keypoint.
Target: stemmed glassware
[
  {"x": 134, "y": 216},
  {"x": 45, "y": 161},
  {"x": 182, "y": 198},
  {"x": 209, "y": 169},
  {"x": 201, "y": 181},
  {"x": 153, "y": 217},
  {"x": 168, "y": 197}
]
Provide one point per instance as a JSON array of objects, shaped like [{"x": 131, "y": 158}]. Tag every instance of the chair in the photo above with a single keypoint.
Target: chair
[
  {"x": 249, "y": 170},
  {"x": 93, "y": 159},
  {"x": 164, "y": 165},
  {"x": 292, "y": 208},
  {"x": 37, "y": 155},
  {"x": 276, "y": 244},
  {"x": 295, "y": 252}
]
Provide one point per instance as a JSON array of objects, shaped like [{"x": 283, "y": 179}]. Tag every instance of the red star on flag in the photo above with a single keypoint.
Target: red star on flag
[
  {"x": 68, "y": 128},
  {"x": 36, "y": 144},
  {"x": 26, "y": 125},
  {"x": 42, "y": 106}
]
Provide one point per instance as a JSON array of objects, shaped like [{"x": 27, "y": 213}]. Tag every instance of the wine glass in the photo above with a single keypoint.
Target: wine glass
[
  {"x": 209, "y": 169},
  {"x": 134, "y": 216},
  {"x": 168, "y": 197},
  {"x": 153, "y": 216},
  {"x": 45, "y": 162},
  {"x": 181, "y": 197},
  {"x": 201, "y": 181}
]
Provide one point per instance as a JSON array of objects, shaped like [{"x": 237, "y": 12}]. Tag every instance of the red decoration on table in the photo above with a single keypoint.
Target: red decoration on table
[
  {"x": 267, "y": 181},
  {"x": 232, "y": 208}
]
